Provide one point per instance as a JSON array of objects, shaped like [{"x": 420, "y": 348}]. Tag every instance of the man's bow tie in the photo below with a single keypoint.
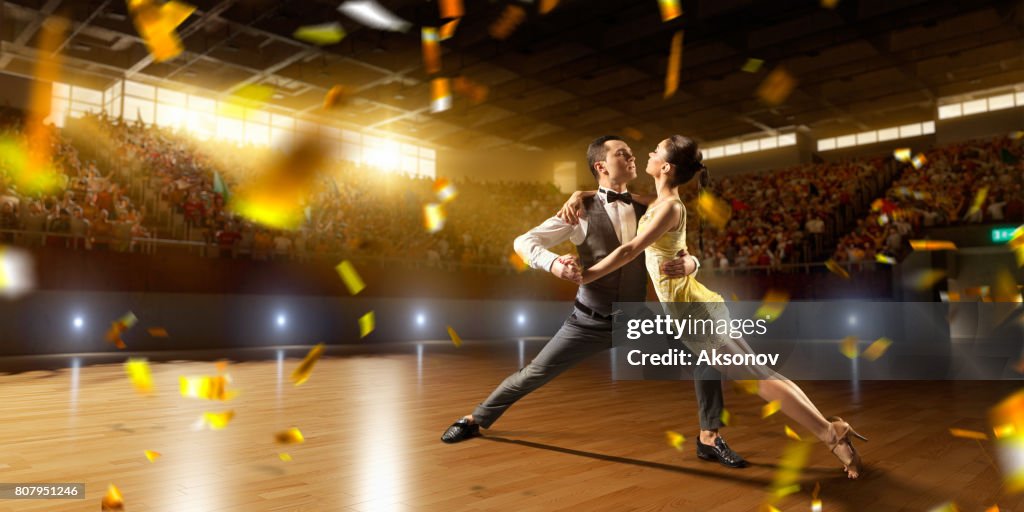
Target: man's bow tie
[{"x": 614, "y": 196}]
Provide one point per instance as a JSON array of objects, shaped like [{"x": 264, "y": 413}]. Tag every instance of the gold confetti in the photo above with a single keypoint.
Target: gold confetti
[
  {"x": 750, "y": 387},
  {"x": 206, "y": 387},
  {"x": 33, "y": 169},
  {"x": 138, "y": 372},
  {"x": 776, "y": 87},
  {"x": 118, "y": 327},
  {"x": 290, "y": 436},
  {"x": 885, "y": 259},
  {"x": 350, "y": 277},
  {"x": 338, "y": 96},
  {"x": 157, "y": 23},
  {"x": 772, "y": 305},
  {"x": 157, "y": 332},
  {"x": 949, "y": 506},
  {"x": 877, "y": 349},
  {"x": 791, "y": 464},
  {"x": 510, "y": 18},
  {"x": 670, "y": 9},
  {"x": 715, "y": 210},
  {"x": 925, "y": 279},
  {"x": 305, "y": 368},
  {"x": 848, "y": 347},
  {"x": 726, "y": 417},
  {"x": 151, "y": 455},
  {"x": 431, "y": 50},
  {"x": 434, "y": 217},
  {"x": 251, "y": 96},
  {"x": 815, "y": 505},
  {"x": 1004, "y": 431},
  {"x": 968, "y": 434},
  {"x": 517, "y": 262},
  {"x": 768, "y": 508},
  {"x": 1008, "y": 418},
  {"x": 902, "y": 154},
  {"x": 366, "y": 324},
  {"x": 221, "y": 366},
  {"x": 675, "y": 61},
  {"x": 456, "y": 340},
  {"x": 320, "y": 35},
  {"x": 451, "y": 8},
  {"x": 993, "y": 508},
  {"x": 782, "y": 492},
  {"x": 113, "y": 499},
  {"x": 675, "y": 439},
  {"x": 979, "y": 200},
  {"x": 217, "y": 420},
  {"x": 752, "y": 65},
  {"x": 919, "y": 161},
  {"x": 285, "y": 457},
  {"x": 445, "y": 190},
  {"x": 770, "y": 408},
  {"x": 790, "y": 433},
  {"x": 440, "y": 95},
  {"x": 836, "y": 269},
  {"x": 448, "y": 29},
  {"x": 547, "y": 6}
]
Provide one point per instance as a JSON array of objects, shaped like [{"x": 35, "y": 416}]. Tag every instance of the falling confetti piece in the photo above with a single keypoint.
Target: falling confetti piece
[
  {"x": 926, "y": 279},
  {"x": 351, "y": 278},
  {"x": 815, "y": 505},
  {"x": 786, "y": 491},
  {"x": 440, "y": 95},
  {"x": 138, "y": 372},
  {"x": 772, "y": 305},
  {"x": 448, "y": 29},
  {"x": 221, "y": 366},
  {"x": 445, "y": 190},
  {"x": 305, "y": 368},
  {"x": 885, "y": 259},
  {"x": 285, "y": 457},
  {"x": 510, "y": 18},
  {"x": 675, "y": 439},
  {"x": 979, "y": 200},
  {"x": 770, "y": 408},
  {"x": 118, "y": 327},
  {"x": 877, "y": 349},
  {"x": 791, "y": 464},
  {"x": 113, "y": 499},
  {"x": 1008, "y": 418},
  {"x": 431, "y": 45},
  {"x": 477, "y": 93},
  {"x": 337, "y": 96},
  {"x": 371, "y": 14},
  {"x": 206, "y": 387},
  {"x": 217, "y": 420},
  {"x": 848, "y": 347},
  {"x": 290, "y": 436},
  {"x": 157, "y": 332},
  {"x": 675, "y": 61},
  {"x": 16, "y": 274},
  {"x": 451, "y": 8},
  {"x": 993, "y": 508},
  {"x": 547, "y": 6},
  {"x": 715, "y": 210},
  {"x": 968, "y": 434},
  {"x": 776, "y": 87},
  {"x": 790, "y": 433},
  {"x": 1004, "y": 431},
  {"x": 151, "y": 455},
  {"x": 251, "y": 96},
  {"x": 902, "y": 154},
  {"x": 836, "y": 269},
  {"x": 320, "y": 35},
  {"x": 434, "y": 217},
  {"x": 750, "y": 387},
  {"x": 517, "y": 262},
  {"x": 157, "y": 24},
  {"x": 932, "y": 245},
  {"x": 769, "y": 508},
  {"x": 946, "y": 507},
  {"x": 456, "y": 340},
  {"x": 919, "y": 161},
  {"x": 726, "y": 417},
  {"x": 752, "y": 65},
  {"x": 366, "y": 324},
  {"x": 670, "y": 9}
]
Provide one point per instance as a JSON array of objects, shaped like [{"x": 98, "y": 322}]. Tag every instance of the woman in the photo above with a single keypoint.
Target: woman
[{"x": 661, "y": 233}]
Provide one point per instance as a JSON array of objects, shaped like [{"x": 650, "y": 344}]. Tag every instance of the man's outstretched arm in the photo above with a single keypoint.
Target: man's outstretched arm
[{"x": 533, "y": 245}]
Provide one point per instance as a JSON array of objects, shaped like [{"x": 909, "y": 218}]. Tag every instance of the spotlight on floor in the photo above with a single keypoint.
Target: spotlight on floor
[
  {"x": 78, "y": 322},
  {"x": 281, "y": 320}
]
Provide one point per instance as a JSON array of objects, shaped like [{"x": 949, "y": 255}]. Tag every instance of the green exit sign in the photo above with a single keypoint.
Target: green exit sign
[{"x": 1002, "y": 235}]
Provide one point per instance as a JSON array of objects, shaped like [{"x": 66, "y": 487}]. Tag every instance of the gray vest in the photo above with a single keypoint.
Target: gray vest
[{"x": 627, "y": 284}]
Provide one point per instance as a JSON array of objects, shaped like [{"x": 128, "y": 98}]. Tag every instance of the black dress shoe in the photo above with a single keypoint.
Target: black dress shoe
[
  {"x": 460, "y": 431},
  {"x": 720, "y": 452}
]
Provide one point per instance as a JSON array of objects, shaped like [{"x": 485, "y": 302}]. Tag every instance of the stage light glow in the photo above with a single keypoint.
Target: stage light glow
[
  {"x": 78, "y": 322},
  {"x": 421, "y": 319},
  {"x": 281, "y": 320},
  {"x": 521, "y": 319},
  {"x": 852, "y": 320}
]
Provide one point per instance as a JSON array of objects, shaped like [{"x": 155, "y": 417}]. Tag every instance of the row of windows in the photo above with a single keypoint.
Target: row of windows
[
  {"x": 208, "y": 119},
  {"x": 871, "y": 137},
  {"x": 971, "y": 107},
  {"x": 750, "y": 146}
]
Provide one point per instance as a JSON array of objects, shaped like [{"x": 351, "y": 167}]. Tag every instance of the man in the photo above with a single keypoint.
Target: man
[{"x": 611, "y": 219}]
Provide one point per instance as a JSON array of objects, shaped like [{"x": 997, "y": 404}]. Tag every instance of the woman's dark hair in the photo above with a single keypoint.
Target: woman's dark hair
[{"x": 684, "y": 154}]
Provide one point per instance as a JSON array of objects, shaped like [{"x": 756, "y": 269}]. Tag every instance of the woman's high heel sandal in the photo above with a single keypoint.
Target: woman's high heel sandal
[{"x": 838, "y": 435}]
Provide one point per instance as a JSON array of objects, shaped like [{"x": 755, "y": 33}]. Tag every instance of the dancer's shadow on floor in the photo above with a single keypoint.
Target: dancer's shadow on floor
[{"x": 846, "y": 495}]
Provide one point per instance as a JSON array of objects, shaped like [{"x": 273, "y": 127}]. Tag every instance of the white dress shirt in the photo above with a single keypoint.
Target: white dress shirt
[{"x": 533, "y": 245}]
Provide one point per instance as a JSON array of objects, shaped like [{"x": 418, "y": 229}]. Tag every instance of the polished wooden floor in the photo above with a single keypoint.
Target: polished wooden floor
[{"x": 372, "y": 423}]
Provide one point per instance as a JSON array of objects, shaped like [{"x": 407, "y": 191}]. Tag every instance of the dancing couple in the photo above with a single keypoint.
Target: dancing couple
[{"x": 610, "y": 228}]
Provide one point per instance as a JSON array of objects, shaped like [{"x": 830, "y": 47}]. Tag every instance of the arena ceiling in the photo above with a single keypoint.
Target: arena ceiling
[{"x": 588, "y": 67}]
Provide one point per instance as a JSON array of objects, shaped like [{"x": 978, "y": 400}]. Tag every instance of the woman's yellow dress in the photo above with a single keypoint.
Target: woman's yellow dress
[{"x": 683, "y": 297}]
